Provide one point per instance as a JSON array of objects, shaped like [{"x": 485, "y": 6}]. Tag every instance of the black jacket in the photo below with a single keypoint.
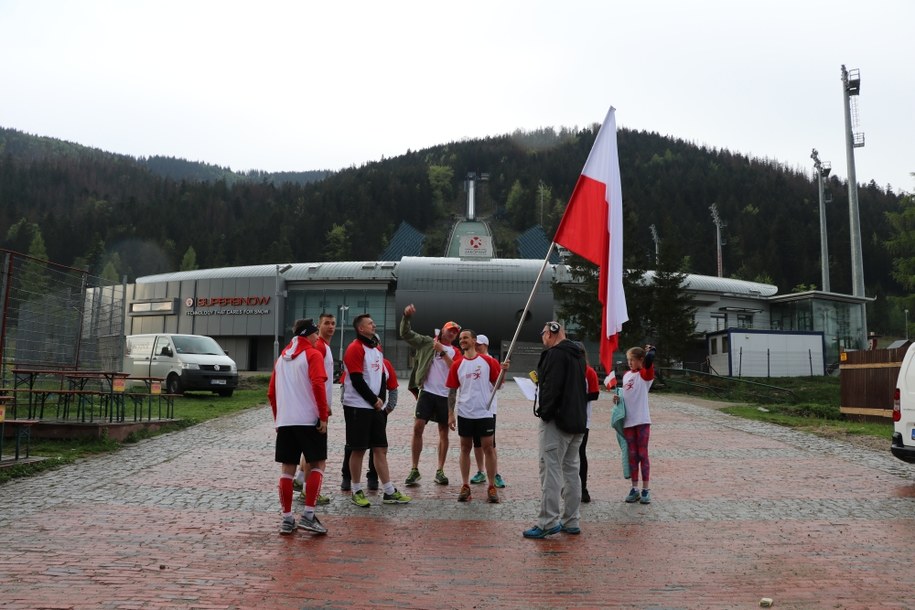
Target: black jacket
[{"x": 561, "y": 387}]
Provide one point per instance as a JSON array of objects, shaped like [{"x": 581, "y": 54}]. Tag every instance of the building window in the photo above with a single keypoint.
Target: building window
[
  {"x": 725, "y": 345},
  {"x": 744, "y": 320},
  {"x": 714, "y": 346}
]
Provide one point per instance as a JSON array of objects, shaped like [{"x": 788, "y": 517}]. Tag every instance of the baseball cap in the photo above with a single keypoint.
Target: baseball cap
[
  {"x": 482, "y": 340},
  {"x": 449, "y": 325}
]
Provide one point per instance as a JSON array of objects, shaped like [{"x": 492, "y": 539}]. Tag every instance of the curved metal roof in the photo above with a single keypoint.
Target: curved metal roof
[
  {"x": 725, "y": 285},
  {"x": 347, "y": 270}
]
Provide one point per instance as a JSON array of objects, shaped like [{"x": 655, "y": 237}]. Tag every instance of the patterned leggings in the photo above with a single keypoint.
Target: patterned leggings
[{"x": 637, "y": 439}]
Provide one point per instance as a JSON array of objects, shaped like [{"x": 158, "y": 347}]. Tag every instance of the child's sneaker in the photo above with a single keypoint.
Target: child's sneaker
[
  {"x": 646, "y": 497},
  {"x": 633, "y": 496}
]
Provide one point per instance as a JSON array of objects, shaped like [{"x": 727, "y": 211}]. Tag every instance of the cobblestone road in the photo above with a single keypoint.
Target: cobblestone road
[{"x": 741, "y": 510}]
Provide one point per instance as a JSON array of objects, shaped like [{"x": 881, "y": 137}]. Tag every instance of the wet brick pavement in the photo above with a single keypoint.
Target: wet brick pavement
[{"x": 741, "y": 510}]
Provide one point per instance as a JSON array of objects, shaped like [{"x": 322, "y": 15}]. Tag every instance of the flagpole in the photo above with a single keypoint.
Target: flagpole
[{"x": 527, "y": 306}]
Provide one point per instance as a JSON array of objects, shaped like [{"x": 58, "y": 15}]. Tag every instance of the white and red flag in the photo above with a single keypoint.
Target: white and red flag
[{"x": 592, "y": 227}]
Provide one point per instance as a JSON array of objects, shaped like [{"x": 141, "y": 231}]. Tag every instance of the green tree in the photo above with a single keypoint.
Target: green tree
[
  {"x": 671, "y": 312},
  {"x": 901, "y": 243},
  {"x": 35, "y": 271},
  {"x": 441, "y": 181},
  {"x": 516, "y": 206},
  {"x": 337, "y": 243},
  {"x": 189, "y": 260}
]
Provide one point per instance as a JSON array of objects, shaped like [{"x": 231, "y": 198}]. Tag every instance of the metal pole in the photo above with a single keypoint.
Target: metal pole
[
  {"x": 906, "y": 324},
  {"x": 511, "y": 346},
  {"x": 276, "y": 315},
  {"x": 343, "y": 309}
]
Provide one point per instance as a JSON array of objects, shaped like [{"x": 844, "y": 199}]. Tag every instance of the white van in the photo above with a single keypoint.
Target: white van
[
  {"x": 903, "y": 445},
  {"x": 185, "y": 362}
]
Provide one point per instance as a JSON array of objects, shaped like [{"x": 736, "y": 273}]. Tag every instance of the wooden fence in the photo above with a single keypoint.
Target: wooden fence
[{"x": 867, "y": 379}]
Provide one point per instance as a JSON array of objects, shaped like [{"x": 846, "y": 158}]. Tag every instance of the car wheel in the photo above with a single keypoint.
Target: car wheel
[{"x": 173, "y": 384}]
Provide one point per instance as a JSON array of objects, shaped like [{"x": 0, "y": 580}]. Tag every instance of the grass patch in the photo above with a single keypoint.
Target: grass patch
[
  {"x": 810, "y": 404},
  {"x": 192, "y": 409}
]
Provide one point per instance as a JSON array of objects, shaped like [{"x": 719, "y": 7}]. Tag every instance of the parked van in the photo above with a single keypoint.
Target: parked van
[
  {"x": 185, "y": 362},
  {"x": 903, "y": 445}
]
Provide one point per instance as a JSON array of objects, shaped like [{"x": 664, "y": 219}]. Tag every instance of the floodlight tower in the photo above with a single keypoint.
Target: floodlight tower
[
  {"x": 854, "y": 138},
  {"x": 822, "y": 172},
  {"x": 719, "y": 224}
]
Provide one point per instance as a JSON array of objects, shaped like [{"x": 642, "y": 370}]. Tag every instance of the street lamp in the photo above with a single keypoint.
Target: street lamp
[
  {"x": 342, "y": 327},
  {"x": 280, "y": 269}
]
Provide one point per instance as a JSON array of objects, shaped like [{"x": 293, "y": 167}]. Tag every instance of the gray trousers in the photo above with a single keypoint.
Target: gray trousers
[{"x": 559, "y": 477}]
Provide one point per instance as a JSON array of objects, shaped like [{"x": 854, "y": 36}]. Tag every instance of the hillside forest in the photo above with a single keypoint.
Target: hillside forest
[{"x": 117, "y": 215}]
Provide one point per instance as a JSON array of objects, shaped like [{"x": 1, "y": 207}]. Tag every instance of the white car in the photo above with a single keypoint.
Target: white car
[{"x": 903, "y": 445}]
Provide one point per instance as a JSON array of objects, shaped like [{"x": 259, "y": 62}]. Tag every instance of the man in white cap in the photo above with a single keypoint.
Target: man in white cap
[{"x": 482, "y": 346}]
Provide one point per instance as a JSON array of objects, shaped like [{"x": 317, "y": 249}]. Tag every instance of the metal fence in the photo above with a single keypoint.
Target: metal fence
[{"x": 58, "y": 317}]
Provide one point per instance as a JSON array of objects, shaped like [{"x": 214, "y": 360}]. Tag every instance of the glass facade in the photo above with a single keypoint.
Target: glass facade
[{"x": 842, "y": 323}]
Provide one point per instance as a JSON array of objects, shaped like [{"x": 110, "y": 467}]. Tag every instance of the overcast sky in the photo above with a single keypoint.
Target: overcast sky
[{"x": 325, "y": 85}]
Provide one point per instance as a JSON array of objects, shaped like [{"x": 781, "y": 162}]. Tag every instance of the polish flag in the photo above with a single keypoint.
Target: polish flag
[{"x": 592, "y": 227}]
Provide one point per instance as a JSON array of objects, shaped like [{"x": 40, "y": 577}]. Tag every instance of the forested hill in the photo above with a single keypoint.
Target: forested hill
[{"x": 121, "y": 215}]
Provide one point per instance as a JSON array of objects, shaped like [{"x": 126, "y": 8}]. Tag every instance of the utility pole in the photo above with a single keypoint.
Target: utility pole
[
  {"x": 657, "y": 240},
  {"x": 822, "y": 172},
  {"x": 719, "y": 224}
]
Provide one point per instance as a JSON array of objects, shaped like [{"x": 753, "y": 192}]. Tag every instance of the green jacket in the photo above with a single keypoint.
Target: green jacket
[
  {"x": 424, "y": 353},
  {"x": 617, "y": 417}
]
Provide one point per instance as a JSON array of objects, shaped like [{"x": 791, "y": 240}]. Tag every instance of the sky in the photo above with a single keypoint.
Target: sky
[{"x": 307, "y": 85}]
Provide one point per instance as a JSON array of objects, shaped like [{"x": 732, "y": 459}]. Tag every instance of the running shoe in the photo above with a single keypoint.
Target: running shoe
[
  {"x": 297, "y": 485},
  {"x": 346, "y": 485},
  {"x": 360, "y": 500},
  {"x": 464, "y": 496},
  {"x": 413, "y": 478},
  {"x": 440, "y": 477},
  {"x": 570, "y": 529},
  {"x": 646, "y": 497},
  {"x": 322, "y": 500},
  {"x": 396, "y": 498},
  {"x": 287, "y": 526},
  {"x": 585, "y": 496},
  {"x": 371, "y": 482},
  {"x": 312, "y": 525},
  {"x": 492, "y": 494},
  {"x": 479, "y": 477},
  {"x": 498, "y": 482},
  {"x": 538, "y": 532},
  {"x": 633, "y": 496}
]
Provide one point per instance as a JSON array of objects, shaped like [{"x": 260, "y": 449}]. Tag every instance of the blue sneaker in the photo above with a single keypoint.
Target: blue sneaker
[
  {"x": 498, "y": 482},
  {"x": 537, "y": 532},
  {"x": 570, "y": 529},
  {"x": 633, "y": 496},
  {"x": 646, "y": 497},
  {"x": 479, "y": 477}
]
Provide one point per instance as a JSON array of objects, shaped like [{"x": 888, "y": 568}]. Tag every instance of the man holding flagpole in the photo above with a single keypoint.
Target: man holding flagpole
[{"x": 563, "y": 411}]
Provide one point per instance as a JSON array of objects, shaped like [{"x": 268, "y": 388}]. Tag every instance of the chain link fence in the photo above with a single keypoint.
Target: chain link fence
[{"x": 58, "y": 317}]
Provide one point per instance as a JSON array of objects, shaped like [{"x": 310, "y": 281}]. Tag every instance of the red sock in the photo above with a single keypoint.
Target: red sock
[
  {"x": 286, "y": 493},
  {"x": 313, "y": 487}
]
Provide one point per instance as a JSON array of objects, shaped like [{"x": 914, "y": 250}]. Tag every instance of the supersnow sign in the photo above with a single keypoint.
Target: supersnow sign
[{"x": 227, "y": 306}]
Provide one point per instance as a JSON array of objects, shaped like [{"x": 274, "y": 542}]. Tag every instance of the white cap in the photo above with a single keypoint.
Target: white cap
[{"x": 482, "y": 340}]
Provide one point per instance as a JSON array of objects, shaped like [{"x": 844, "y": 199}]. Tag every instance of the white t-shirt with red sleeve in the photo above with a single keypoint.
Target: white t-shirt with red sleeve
[
  {"x": 635, "y": 392},
  {"x": 361, "y": 358},
  {"x": 474, "y": 378}
]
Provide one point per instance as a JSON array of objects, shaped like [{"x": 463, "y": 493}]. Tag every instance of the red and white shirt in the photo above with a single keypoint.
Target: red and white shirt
[
  {"x": 369, "y": 361},
  {"x": 474, "y": 378},
  {"x": 635, "y": 392},
  {"x": 296, "y": 391}
]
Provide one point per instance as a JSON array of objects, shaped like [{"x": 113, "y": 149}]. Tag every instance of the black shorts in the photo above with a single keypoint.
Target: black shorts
[
  {"x": 477, "y": 428},
  {"x": 477, "y": 442},
  {"x": 293, "y": 441},
  {"x": 365, "y": 428},
  {"x": 432, "y": 407}
]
